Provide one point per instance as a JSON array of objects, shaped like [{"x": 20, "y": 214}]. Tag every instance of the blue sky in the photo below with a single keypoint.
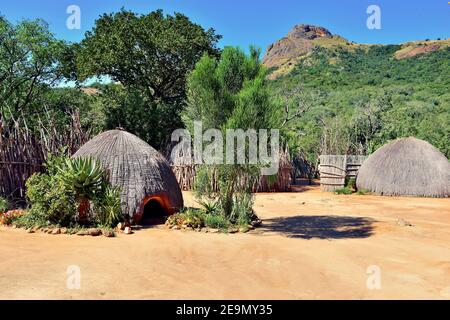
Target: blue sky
[{"x": 246, "y": 22}]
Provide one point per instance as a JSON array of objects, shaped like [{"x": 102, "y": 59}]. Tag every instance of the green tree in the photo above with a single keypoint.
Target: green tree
[
  {"x": 230, "y": 93},
  {"x": 149, "y": 55},
  {"x": 30, "y": 63}
]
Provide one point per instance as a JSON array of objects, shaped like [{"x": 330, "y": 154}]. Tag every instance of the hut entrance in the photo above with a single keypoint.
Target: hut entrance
[{"x": 154, "y": 212}]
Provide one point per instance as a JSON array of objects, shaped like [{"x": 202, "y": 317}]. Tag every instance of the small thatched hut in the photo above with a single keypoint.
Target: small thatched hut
[
  {"x": 147, "y": 182},
  {"x": 407, "y": 166}
]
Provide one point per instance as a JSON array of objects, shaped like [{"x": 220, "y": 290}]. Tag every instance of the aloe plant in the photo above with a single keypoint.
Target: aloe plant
[{"x": 85, "y": 177}]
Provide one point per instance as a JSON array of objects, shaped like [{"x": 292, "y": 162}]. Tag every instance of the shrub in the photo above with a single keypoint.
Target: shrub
[
  {"x": 242, "y": 209},
  {"x": 344, "y": 190},
  {"x": 108, "y": 208},
  {"x": 362, "y": 192},
  {"x": 217, "y": 221},
  {"x": 350, "y": 183},
  {"x": 4, "y": 205},
  {"x": 29, "y": 219},
  {"x": 10, "y": 217},
  {"x": 50, "y": 200}
]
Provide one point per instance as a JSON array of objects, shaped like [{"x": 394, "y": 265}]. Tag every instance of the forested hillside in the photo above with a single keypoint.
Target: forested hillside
[{"x": 355, "y": 98}]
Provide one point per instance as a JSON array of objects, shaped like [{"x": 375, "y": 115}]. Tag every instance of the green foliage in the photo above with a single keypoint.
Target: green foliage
[
  {"x": 366, "y": 98},
  {"x": 350, "y": 183},
  {"x": 4, "y": 205},
  {"x": 84, "y": 176},
  {"x": 31, "y": 219},
  {"x": 230, "y": 93},
  {"x": 30, "y": 62},
  {"x": 150, "y": 55},
  {"x": 345, "y": 190},
  {"x": 362, "y": 192},
  {"x": 217, "y": 221},
  {"x": 51, "y": 201},
  {"x": 107, "y": 207},
  {"x": 55, "y": 196}
]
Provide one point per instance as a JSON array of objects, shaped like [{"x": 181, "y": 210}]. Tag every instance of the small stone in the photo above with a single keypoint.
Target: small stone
[
  {"x": 36, "y": 229},
  {"x": 204, "y": 230},
  {"x": 56, "y": 231},
  {"x": 243, "y": 230},
  {"x": 63, "y": 230},
  {"x": 250, "y": 227},
  {"x": 128, "y": 230},
  {"x": 94, "y": 232},
  {"x": 82, "y": 232},
  {"x": 213, "y": 230},
  {"x": 175, "y": 228},
  {"x": 120, "y": 226},
  {"x": 233, "y": 230},
  {"x": 108, "y": 233},
  {"x": 49, "y": 231},
  {"x": 30, "y": 230}
]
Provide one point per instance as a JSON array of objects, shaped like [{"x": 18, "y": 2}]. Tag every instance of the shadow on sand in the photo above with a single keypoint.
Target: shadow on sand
[{"x": 320, "y": 227}]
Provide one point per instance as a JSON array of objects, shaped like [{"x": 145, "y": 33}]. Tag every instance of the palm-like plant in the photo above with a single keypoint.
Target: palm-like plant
[
  {"x": 85, "y": 177},
  {"x": 109, "y": 211}
]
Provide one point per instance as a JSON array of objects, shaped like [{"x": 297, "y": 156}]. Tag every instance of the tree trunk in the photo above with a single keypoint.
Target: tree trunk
[{"x": 83, "y": 209}]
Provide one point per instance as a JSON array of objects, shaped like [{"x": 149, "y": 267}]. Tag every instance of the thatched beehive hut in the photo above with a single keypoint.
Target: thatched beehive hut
[
  {"x": 407, "y": 166},
  {"x": 146, "y": 180}
]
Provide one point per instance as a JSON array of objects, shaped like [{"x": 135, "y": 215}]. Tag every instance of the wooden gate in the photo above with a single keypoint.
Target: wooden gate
[{"x": 334, "y": 169}]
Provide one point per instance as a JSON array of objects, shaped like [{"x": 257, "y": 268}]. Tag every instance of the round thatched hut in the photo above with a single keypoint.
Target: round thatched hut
[
  {"x": 407, "y": 166},
  {"x": 147, "y": 183}
]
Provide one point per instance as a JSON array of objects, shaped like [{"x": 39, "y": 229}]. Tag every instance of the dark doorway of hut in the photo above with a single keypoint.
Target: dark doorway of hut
[{"x": 154, "y": 213}]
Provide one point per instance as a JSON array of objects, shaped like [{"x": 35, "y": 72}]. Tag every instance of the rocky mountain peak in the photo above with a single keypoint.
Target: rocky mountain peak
[
  {"x": 309, "y": 32},
  {"x": 299, "y": 41}
]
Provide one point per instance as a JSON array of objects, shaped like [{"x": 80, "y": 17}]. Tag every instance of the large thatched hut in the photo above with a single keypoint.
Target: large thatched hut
[
  {"x": 407, "y": 166},
  {"x": 147, "y": 183}
]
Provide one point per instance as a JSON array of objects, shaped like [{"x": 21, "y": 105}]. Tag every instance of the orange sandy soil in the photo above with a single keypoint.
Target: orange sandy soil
[{"x": 312, "y": 245}]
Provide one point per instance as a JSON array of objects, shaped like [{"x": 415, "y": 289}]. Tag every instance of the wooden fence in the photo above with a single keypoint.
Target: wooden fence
[
  {"x": 334, "y": 169},
  {"x": 185, "y": 175},
  {"x": 23, "y": 150}
]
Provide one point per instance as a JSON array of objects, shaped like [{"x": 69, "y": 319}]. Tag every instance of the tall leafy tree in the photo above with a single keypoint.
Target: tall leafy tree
[
  {"x": 148, "y": 54},
  {"x": 230, "y": 93},
  {"x": 30, "y": 63}
]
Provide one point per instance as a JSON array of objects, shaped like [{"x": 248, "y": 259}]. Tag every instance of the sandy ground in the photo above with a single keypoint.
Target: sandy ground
[{"x": 312, "y": 245}]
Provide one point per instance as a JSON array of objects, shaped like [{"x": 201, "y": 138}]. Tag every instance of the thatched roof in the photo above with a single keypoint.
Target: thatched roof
[
  {"x": 407, "y": 166},
  {"x": 138, "y": 169}
]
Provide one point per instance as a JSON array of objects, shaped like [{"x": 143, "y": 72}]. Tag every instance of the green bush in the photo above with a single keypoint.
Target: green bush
[
  {"x": 344, "y": 190},
  {"x": 362, "y": 192},
  {"x": 217, "y": 221},
  {"x": 350, "y": 183},
  {"x": 50, "y": 200},
  {"x": 108, "y": 208},
  {"x": 30, "y": 219},
  {"x": 242, "y": 209},
  {"x": 55, "y": 196},
  {"x": 4, "y": 205}
]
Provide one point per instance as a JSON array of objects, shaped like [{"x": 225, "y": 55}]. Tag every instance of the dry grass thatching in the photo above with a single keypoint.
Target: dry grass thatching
[
  {"x": 409, "y": 167},
  {"x": 139, "y": 170}
]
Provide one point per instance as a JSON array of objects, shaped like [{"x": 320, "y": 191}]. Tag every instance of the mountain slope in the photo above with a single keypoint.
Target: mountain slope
[
  {"x": 361, "y": 96},
  {"x": 282, "y": 56}
]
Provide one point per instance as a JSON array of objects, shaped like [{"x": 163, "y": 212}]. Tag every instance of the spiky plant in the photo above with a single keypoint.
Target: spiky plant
[
  {"x": 85, "y": 177},
  {"x": 108, "y": 207}
]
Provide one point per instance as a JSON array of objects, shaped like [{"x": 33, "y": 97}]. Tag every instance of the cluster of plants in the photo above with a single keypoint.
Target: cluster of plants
[
  {"x": 71, "y": 193},
  {"x": 350, "y": 188}
]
